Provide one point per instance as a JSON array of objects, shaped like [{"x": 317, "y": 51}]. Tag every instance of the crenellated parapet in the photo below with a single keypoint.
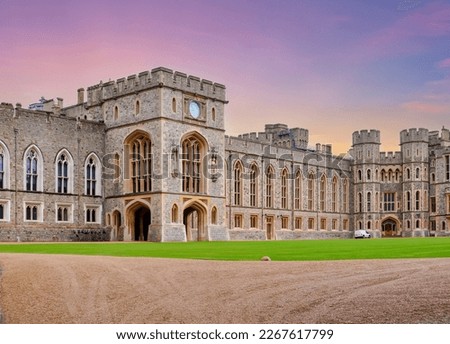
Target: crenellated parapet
[
  {"x": 158, "y": 77},
  {"x": 371, "y": 136},
  {"x": 280, "y": 135},
  {"x": 437, "y": 137},
  {"x": 414, "y": 135},
  {"x": 390, "y": 158}
]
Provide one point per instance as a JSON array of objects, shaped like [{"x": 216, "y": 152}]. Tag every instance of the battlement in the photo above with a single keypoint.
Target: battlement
[
  {"x": 436, "y": 138},
  {"x": 366, "y": 136},
  {"x": 158, "y": 77},
  {"x": 280, "y": 135},
  {"x": 414, "y": 135},
  {"x": 390, "y": 158}
]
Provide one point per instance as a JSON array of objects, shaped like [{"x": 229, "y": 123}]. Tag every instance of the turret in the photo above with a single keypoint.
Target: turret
[
  {"x": 366, "y": 146},
  {"x": 366, "y": 136},
  {"x": 414, "y": 144}
]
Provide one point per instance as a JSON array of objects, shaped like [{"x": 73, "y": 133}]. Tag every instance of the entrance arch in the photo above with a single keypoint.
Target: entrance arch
[
  {"x": 141, "y": 224},
  {"x": 194, "y": 220},
  {"x": 390, "y": 228},
  {"x": 138, "y": 221}
]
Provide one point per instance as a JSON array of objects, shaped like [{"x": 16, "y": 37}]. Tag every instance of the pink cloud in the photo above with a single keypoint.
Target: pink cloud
[
  {"x": 444, "y": 63},
  {"x": 409, "y": 33},
  {"x": 423, "y": 107}
]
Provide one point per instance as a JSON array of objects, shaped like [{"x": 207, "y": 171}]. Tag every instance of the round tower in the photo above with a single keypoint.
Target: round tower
[
  {"x": 366, "y": 153},
  {"x": 414, "y": 146}
]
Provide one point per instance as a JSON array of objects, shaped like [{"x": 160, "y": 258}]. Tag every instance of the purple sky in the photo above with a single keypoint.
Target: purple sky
[{"x": 330, "y": 66}]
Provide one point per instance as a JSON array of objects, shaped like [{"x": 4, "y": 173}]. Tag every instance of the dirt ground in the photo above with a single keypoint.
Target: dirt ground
[{"x": 81, "y": 289}]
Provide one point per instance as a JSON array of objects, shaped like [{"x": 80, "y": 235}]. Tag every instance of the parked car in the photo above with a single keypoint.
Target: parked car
[{"x": 361, "y": 234}]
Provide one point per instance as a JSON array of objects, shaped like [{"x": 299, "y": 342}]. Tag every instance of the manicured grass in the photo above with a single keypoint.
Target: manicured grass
[{"x": 254, "y": 250}]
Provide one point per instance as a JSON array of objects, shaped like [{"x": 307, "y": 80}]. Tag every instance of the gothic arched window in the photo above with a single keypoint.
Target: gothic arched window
[
  {"x": 253, "y": 185},
  {"x": 334, "y": 196},
  {"x": 192, "y": 153},
  {"x": 270, "y": 175},
  {"x": 311, "y": 191},
  {"x": 284, "y": 189},
  {"x": 4, "y": 166},
  {"x": 92, "y": 176},
  {"x": 64, "y": 172},
  {"x": 298, "y": 190},
  {"x": 33, "y": 170},
  {"x": 237, "y": 183},
  {"x": 322, "y": 193},
  {"x": 141, "y": 162}
]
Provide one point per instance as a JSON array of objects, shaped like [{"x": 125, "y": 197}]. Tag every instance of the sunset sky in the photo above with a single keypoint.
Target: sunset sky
[{"x": 330, "y": 66}]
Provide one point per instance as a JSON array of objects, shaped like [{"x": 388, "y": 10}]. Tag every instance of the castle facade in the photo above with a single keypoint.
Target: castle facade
[{"x": 146, "y": 158}]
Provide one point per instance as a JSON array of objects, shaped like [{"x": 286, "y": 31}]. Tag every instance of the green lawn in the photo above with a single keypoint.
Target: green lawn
[{"x": 252, "y": 250}]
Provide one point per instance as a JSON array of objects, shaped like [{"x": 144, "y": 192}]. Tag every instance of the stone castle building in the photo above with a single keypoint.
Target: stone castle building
[{"x": 146, "y": 158}]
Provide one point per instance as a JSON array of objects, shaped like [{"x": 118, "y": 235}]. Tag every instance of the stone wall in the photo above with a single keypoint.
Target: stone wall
[
  {"x": 52, "y": 234},
  {"x": 243, "y": 235}
]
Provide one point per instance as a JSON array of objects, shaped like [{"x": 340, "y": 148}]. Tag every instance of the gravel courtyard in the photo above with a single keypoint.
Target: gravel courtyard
[{"x": 83, "y": 289}]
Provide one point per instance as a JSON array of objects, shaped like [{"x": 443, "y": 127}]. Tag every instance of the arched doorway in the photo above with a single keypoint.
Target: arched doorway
[
  {"x": 141, "y": 224},
  {"x": 194, "y": 221},
  {"x": 389, "y": 228},
  {"x": 117, "y": 226}
]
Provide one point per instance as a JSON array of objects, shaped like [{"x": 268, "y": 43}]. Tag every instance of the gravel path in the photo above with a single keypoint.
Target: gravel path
[{"x": 82, "y": 289}]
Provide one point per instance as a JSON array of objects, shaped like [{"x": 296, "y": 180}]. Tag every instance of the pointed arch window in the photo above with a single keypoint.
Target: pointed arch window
[
  {"x": 174, "y": 213},
  {"x": 192, "y": 165},
  {"x": 33, "y": 170},
  {"x": 360, "y": 204},
  {"x": 4, "y": 167},
  {"x": 298, "y": 190},
  {"x": 270, "y": 175},
  {"x": 174, "y": 105},
  {"x": 284, "y": 189},
  {"x": 334, "y": 190},
  {"x": 64, "y": 173},
  {"x": 408, "y": 200},
  {"x": 138, "y": 108},
  {"x": 253, "y": 185},
  {"x": 417, "y": 200},
  {"x": 237, "y": 183},
  {"x": 369, "y": 201},
  {"x": 311, "y": 191},
  {"x": 92, "y": 176},
  {"x": 141, "y": 162},
  {"x": 345, "y": 194},
  {"x": 214, "y": 216},
  {"x": 323, "y": 190}
]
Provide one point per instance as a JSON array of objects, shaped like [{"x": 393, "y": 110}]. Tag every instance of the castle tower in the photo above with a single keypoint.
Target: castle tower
[
  {"x": 414, "y": 146},
  {"x": 165, "y": 139},
  {"x": 366, "y": 151}
]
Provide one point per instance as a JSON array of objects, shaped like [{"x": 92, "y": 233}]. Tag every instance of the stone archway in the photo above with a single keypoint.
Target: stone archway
[
  {"x": 194, "y": 220},
  {"x": 138, "y": 222},
  {"x": 390, "y": 228},
  {"x": 141, "y": 224}
]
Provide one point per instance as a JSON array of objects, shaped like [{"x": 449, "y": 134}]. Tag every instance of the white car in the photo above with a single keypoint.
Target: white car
[{"x": 362, "y": 233}]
